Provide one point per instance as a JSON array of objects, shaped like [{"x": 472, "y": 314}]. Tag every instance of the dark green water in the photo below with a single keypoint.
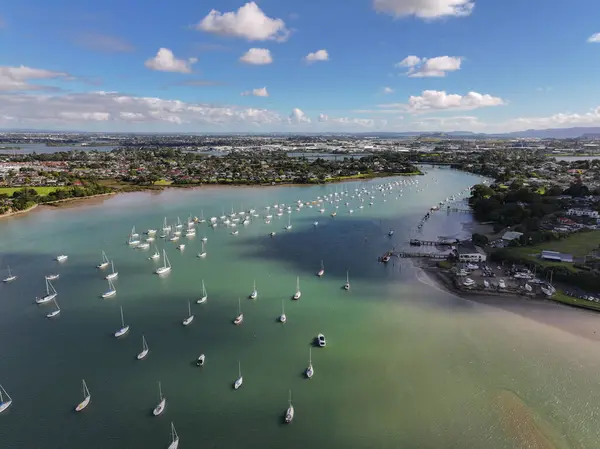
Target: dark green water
[{"x": 406, "y": 365}]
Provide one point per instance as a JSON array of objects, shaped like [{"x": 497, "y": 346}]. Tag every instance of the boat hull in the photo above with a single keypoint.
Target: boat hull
[
  {"x": 238, "y": 319},
  {"x": 188, "y": 320},
  {"x": 45, "y": 299},
  {"x": 83, "y": 404},
  {"x": 122, "y": 331},
  {"x": 160, "y": 408},
  {"x": 142, "y": 354}
]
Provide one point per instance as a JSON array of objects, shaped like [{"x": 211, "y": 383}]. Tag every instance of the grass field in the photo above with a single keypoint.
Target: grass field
[
  {"x": 559, "y": 296},
  {"x": 40, "y": 190},
  {"x": 163, "y": 182},
  {"x": 580, "y": 244}
]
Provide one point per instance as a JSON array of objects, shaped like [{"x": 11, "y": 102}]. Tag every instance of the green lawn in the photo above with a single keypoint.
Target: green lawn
[
  {"x": 559, "y": 296},
  {"x": 580, "y": 244},
  {"x": 40, "y": 190}
]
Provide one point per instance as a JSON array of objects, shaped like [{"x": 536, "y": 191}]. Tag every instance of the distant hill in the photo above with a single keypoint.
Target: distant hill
[{"x": 554, "y": 133}]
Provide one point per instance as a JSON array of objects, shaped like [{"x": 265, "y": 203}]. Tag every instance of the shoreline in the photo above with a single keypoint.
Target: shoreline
[
  {"x": 80, "y": 201},
  {"x": 578, "y": 321}
]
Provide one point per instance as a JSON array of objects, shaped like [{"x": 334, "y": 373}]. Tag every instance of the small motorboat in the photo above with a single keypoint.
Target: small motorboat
[
  {"x": 201, "y": 359},
  {"x": 321, "y": 340}
]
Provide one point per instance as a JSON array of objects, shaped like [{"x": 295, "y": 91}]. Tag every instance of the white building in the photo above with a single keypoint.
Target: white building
[
  {"x": 467, "y": 252},
  {"x": 583, "y": 213}
]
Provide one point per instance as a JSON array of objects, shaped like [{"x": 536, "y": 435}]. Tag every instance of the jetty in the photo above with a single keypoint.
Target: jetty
[{"x": 441, "y": 242}]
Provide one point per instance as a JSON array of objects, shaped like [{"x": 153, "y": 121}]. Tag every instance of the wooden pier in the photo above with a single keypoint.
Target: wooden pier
[
  {"x": 461, "y": 211},
  {"x": 437, "y": 256}
]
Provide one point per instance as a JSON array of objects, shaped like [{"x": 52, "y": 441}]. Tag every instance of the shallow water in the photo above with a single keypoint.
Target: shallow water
[{"x": 406, "y": 364}]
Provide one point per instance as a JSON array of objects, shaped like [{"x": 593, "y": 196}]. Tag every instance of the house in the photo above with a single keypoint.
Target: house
[
  {"x": 467, "y": 252},
  {"x": 555, "y": 256},
  {"x": 583, "y": 213},
  {"x": 511, "y": 235}
]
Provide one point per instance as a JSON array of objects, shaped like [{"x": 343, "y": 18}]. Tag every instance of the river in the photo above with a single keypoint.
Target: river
[{"x": 407, "y": 365}]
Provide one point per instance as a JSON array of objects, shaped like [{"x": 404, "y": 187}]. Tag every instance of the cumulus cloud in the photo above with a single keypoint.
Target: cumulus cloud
[
  {"x": 260, "y": 92},
  {"x": 104, "y": 42},
  {"x": 257, "y": 56},
  {"x": 17, "y": 78},
  {"x": 323, "y": 118},
  {"x": 594, "y": 38},
  {"x": 388, "y": 90},
  {"x": 434, "y": 100},
  {"x": 72, "y": 109},
  {"x": 425, "y": 9},
  {"x": 430, "y": 67},
  {"x": 561, "y": 120},
  {"x": 298, "y": 117},
  {"x": 248, "y": 22},
  {"x": 165, "y": 61},
  {"x": 319, "y": 55}
]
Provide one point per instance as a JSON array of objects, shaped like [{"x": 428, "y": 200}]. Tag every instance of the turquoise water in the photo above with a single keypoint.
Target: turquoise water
[{"x": 406, "y": 365}]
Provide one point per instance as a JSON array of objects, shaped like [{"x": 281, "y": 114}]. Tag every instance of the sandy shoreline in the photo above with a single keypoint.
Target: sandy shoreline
[
  {"x": 574, "y": 320},
  {"x": 19, "y": 212}
]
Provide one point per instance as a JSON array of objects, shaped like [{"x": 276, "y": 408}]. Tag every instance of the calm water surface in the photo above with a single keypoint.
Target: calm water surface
[{"x": 406, "y": 365}]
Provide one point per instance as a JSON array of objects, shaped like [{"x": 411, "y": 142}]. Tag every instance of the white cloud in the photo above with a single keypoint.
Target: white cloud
[
  {"x": 434, "y": 100},
  {"x": 257, "y": 56},
  {"x": 248, "y": 22},
  {"x": 298, "y": 117},
  {"x": 117, "y": 109},
  {"x": 561, "y": 120},
  {"x": 16, "y": 78},
  {"x": 594, "y": 38},
  {"x": 430, "y": 67},
  {"x": 409, "y": 61},
  {"x": 425, "y": 9},
  {"x": 323, "y": 118},
  {"x": 388, "y": 90},
  {"x": 165, "y": 61},
  {"x": 260, "y": 92},
  {"x": 319, "y": 55}
]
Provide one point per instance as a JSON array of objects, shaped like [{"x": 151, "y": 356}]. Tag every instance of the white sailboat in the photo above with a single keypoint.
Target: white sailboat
[
  {"x": 166, "y": 227},
  {"x": 321, "y": 272},
  {"x": 11, "y": 277},
  {"x": 174, "y": 438},
  {"x": 240, "y": 317},
  {"x": 202, "y": 219},
  {"x": 52, "y": 277},
  {"x": 298, "y": 292},
  {"x": 282, "y": 317},
  {"x": 254, "y": 293},
  {"x": 190, "y": 317},
  {"x": 201, "y": 360},
  {"x": 5, "y": 399},
  {"x": 54, "y": 312},
  {"x": 162, "y": 402},
  {"x": 289, "y": 225},
  {"x": 124, "y": 329},
  {"x": 50, "y": 294},
  {"x": 178, "y": 225},
  {"x": 86, "y": 398},
  {"x": 156, "y": 254},
  {"x": 240, "y": 380},
  {"x": 144, "y": 245},
  {"x": 113, "y": 274},
  {"x": 347, "y": 284},
  {"x": 310, "y": 370},
  {"x": 145, "y": 349},
  {"x": 112, "y": 291},
  {"x": 166, "y": 267},
  {"x": 289, "y": 414},
  {"x": 105, "y": 262},
  {"x": 133, "y": 238},
  {"x": 61, "y": 258},
  {"x": 202, "y": 253},
  {"x": 204, "y": 296},
  {"x": 204, "y": 239}
]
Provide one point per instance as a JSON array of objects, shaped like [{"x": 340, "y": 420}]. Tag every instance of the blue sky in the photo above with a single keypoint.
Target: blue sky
[{"x": 273, "y": 65}]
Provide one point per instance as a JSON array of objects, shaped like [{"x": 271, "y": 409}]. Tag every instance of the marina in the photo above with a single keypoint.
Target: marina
[{"x": 385, "y": 304}]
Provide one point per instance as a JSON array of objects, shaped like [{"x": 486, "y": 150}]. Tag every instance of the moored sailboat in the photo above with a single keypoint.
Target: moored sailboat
[
  {"x": 5, "y": 399},
  {"x": 240, "y": 380},
  {"x": 321, "y": 272},
  {"x": 86, "y": 397},
  {"x": 174, "y": 438},
  {"x": 202, "y": 253},
  {"x": 254, "y": 293},
  {"x": 50, "y": 293},
  {"x": 298, "y": 293},
  {"x": 112, "y": 291},
  {"x": 204, "y": 296},
  {"x": 55, "y": 312},
  {"x": 282, "y": 317},
  {"x": 105, "y": 262},
  {"x": 145, "y": 349},
  {"x": 310, "y": 370},
  {"x": 162, "y": 402},
  {"x": 240, "y": 317},
  {"x": 190, "y": 317},
  {"x": 11, "y": 277},
  {"x": 289, "y": 414},
  {"x": 347, "y": 284},
  {"x": 124, "y": 329},
  {"x": 113, "y": 274},
  {"x": 166, "y": 267}
]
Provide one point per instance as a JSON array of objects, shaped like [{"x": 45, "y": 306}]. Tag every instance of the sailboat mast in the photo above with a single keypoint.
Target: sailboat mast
[
  {"x": 160, "y": 391},
  {"x": 122, "y": 320}
]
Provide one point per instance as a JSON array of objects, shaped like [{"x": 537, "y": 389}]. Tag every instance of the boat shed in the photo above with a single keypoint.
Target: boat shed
[{"x": 555, "y": 256}]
